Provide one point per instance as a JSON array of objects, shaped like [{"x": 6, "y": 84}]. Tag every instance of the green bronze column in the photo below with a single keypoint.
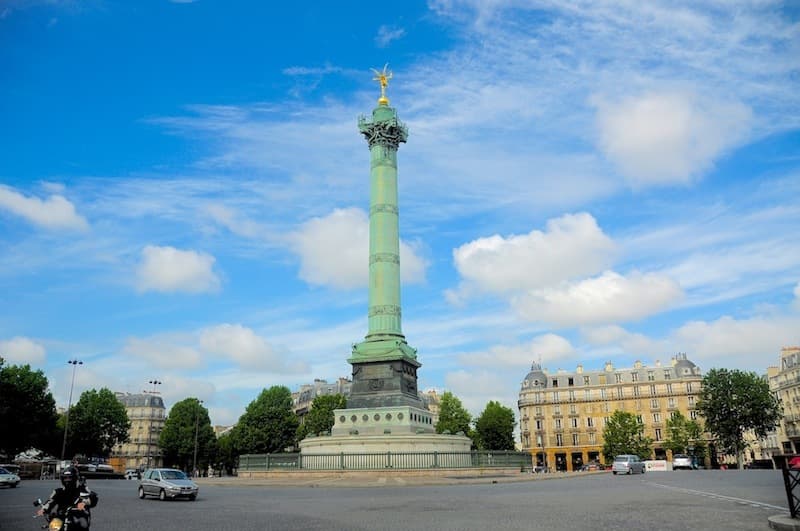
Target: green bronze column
[{"x": 373, "y": 374}]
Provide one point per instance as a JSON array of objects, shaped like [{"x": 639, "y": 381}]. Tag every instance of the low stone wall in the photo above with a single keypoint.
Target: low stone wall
[{"x": 320, "y": 474}]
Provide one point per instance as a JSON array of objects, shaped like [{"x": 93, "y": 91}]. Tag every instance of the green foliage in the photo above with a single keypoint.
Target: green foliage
[
  {"x": 494, "y": 427},
  {"x": 226, "y": 453},
  {"x": 734, "y": 402},
  {"x": 268, "y": 425},
  {"x": 96, "y": 423},
  {"x": 188, "y": 422},
  {"x": 683, "y": 433},
  {"x": 623, "y": 434},
  {"x": 27, "y": 411},
  {"x": 320, "y": 418},
  {"x": 453, "y": 417}
]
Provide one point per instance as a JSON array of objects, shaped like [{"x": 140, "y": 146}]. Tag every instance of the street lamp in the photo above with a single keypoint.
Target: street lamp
[
  {"x": 74, "y": 364},
  {"x": 196, "y": 426},
  {"x": 154, "y": 383}
]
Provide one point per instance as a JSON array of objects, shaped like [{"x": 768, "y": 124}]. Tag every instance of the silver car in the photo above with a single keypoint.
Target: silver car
[
  {"x": 681, "y": 461},
  {"x": 167, "y": 483},
  {"x": 8, "y": 478},
  {"x": 627, "y": 464}
]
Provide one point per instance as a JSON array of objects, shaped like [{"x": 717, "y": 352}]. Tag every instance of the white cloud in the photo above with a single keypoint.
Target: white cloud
[
  {"x": 22, "y": 351},
  {"x": 545, "y": 347},
  {"x": 476, "y": 388},
  {"x": 572, "y": 246},
  {"x": 231, "y": 220},
  {"x": 387, "y": 34},
  {"x": 668, "y": 138},
  {"x": 167, "y": 269},
  {"x": 334, "y": 251},
  {"x": 607, "y": 298},
  {"x": 732, "y": 342},
  {"x": 249, "y": 350},
  {"x": 797, "y": 296},
  {"x": 629, "y": 342},
  {"x": 54, "y": 213},
  {"x": 164, "y": 352}
]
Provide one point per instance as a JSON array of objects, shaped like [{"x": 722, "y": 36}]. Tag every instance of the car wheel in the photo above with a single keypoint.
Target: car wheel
[
  {"x": 14, "y": 485},
  {"x": 193, "y": 497},
  {"x": 141, "y": 493},
  {"x": 162, "y": 495},
  {"x": 644, "y": 470},
  {"x": 614, "y": 472}
]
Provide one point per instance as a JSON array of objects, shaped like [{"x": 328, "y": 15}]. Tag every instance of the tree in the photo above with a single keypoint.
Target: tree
[
  {"x": 27, "y": 410},
  {"x": 624, "y": 434},
  {"x": 97, "y": 423},
  {"x": 226, "y": 453},
  {"x": 188, "y": 422},
  {"x": 494, "y": 427},
  {"x": 683, "y": 434},
  {"x": 452, "y": 415},
  {"x": 268, "y": 424},
  {"x": 734, "y": 402},
  {"x": 320, "y": 417}
]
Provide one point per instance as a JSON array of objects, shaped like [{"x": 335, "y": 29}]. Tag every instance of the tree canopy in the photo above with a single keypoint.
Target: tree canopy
[
  {"x": 624, "y": 434},
  {"x": 27, "y": 411},
  {"x": 268, "y": 425},
  {"x": 188, "y": 423},
  {"x": 683, "y": 434},
  {"x": 320, "y": 417},
  {"x": 494, "y": 427},
  {"x": 97, "y": 423},
  {"x": 734, "y": 402},
  {"x": 453, "y": 417}
]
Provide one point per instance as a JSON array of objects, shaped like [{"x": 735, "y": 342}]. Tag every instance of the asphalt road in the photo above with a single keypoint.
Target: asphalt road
[{"x": 664, "y": 501}]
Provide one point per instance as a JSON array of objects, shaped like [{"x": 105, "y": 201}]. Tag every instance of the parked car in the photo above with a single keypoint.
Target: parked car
[
  {"x": 591, "y": 466},
  {"x": 167, "y": 483},
  {"x": 132, "y": 473},
  {"x": 682, "y": 461},
  {"x": 8, "y": 479},
  {"x": 627, "y": 464}
]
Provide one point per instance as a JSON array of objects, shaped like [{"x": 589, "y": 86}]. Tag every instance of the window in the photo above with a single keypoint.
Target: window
[
  {"x": 639, "y": 405},
  {"x": 574, "y": 422},
  {"x": 693, "y": 414},
  {"x": 571, "y": 394},
  {"x": 667, "y": 374},
  {"x": 606, "y": 407},
  {"x": 538, "y": 424},
  {"x": 634, "y": 376},
  {"x": 592, "y": 438},
  {"x": 585, "y": 380},
  {"x": 603, "y": 394},
  {"x": 636, "y": 390},
  {"x": 574, "y": 439},
  {"x": 654, "y": 403},
  {"x": 671, "y": 402},
  {"x": 538, "y": 410},
  {"x": 620, "y": 393},
  {"x": 639, "y": 419},
  {"x": 650, "y": 376},
  {"x": 618, "y": 378},
  {"x": 691, "y": 401},
  {"x": 605, "y": 421},
  {"x": 587, "y": 394},
  {"x": 556, "y": 410},
  {"x": 669, "y": 388},
  {"x": 570, "y": 382},
  {"x": 559, "y": 440},
  {"x": 656, "y": 417},
  {"x": 538, "y": 440},
  {"x": 572, "y": 409},
  {"x": 558, "y": 424},
  {"x": 537, "y": 397},
  {"x": 652, "y": 390},
  {"x": 658, "y": 434},
  {"x": 602, "y": 379},
  {"x": 590, "y": 422},
  {"x": 555, "y": 382},
  {"x": 555, "y": 396},
  {"x": 689, "y": 387}
]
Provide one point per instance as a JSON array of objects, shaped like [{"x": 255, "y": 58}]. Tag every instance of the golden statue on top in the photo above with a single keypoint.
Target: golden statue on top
[{"x": 383, "y": 78}]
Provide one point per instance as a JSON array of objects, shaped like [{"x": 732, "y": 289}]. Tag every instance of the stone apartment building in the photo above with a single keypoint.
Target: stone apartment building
[
  {"x": 784, "y": 381},
  {"x": 562, "y": 414},
  {"x": 147, "y": 414}
]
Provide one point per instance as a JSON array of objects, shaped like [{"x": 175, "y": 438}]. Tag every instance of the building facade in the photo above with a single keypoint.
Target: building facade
[
  {"x": 784, "y": 381},
  {"x": 305, "y": 395},
  {"x": 562, "y": 414},
  {"x": 147, "y": 414}
]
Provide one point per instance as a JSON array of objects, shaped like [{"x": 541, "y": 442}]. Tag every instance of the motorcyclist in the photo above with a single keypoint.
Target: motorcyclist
[{"x": 70, "y": 494}]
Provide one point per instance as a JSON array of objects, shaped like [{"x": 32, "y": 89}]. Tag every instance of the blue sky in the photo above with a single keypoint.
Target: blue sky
[{"x": 183, "y": 189}]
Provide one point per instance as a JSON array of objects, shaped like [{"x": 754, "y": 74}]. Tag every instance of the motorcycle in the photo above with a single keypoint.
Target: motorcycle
[{"x": 62, "y": 519}]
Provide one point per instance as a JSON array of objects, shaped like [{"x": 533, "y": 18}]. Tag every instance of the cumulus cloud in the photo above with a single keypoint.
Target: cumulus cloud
[
  {"x": 22, "y": 351},
  {"x": 167, "y": 269},
  {"x": 334, "y": 251},
  {"x": 163, "y": 352},
  {"x": 571, "y": 246},
  {"x": 608, "y": 298},
  {"x": 249, "y": 350},
  {"x": 545, "y": 347},
  {"x": 629, "y": 342},
  {"x": 668, "y": 137},
  {"x": 54, "y": 213},
  {"x": 477, "y": 388},
  {"x": 231, "y": 220}
]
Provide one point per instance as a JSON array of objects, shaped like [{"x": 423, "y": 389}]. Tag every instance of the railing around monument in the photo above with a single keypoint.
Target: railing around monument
[{"x": 385, "y": 460}]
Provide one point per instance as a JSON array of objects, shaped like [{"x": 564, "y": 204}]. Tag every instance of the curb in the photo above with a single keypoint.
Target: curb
[{"x": 784, "y": 523}]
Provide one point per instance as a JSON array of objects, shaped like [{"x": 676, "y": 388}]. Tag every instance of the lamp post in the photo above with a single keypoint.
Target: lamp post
[
  {"x": 154, "y": 383},
  {"x": 74, "y": 364},
  {"x": 196, "y": 426}
]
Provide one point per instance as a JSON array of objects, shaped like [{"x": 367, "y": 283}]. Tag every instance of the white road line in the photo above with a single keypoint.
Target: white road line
[{"x": 721, "y": 497}]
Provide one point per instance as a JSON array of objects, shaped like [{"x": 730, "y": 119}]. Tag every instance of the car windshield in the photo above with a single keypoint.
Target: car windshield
[
  {"x": 681, "y": 456},
  {"x": 4, "y": 471},
  {"x": 172, "y": 474},
  {"x": 621, "y": 458}
]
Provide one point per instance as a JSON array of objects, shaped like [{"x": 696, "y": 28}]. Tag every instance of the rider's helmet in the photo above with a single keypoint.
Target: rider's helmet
[{"x": 69, "y": 477}]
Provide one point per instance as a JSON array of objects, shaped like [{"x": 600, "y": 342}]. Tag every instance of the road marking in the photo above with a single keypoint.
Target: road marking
[{"x": 721, "y": 497}]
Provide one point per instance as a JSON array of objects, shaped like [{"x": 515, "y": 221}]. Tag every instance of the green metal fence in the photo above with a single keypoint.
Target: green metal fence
[{"x": 384, "y": 460}]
